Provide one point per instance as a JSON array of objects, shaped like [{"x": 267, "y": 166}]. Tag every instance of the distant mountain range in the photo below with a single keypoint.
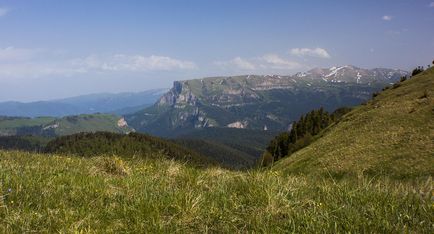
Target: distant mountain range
[
  {"x": 121, "y": 103},
  {"x": 262, "y": 102}
]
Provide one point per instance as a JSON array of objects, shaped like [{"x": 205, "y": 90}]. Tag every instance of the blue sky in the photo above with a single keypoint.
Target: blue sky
[{"x": 53, "y": 49}]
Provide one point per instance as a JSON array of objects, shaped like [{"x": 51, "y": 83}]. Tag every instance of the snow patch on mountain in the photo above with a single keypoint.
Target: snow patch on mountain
[
  {"x": 237, "y": 124},
  {"x": 334, "y": 71},
  {"x": 358, "y": 77}
]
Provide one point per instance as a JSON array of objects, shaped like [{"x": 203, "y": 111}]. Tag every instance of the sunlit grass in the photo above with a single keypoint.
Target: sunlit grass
[{"x": 41, "y": 193}]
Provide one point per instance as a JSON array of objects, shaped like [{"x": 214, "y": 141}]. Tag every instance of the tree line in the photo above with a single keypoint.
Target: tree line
[
  {"x": 106, "y": 143},
  {"x": 126, "y": 145},
  {"x": 301, "y": 134}
]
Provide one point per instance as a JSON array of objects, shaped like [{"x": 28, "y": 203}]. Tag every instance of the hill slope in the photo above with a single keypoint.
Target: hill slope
[
  {"x": 393, "y": 135},
  {"x": 88, "y": 123},
  {"x": 49, "y": 126}
]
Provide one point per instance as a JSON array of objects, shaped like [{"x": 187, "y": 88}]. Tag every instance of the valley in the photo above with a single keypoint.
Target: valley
[{"x": 357, "y": 173}]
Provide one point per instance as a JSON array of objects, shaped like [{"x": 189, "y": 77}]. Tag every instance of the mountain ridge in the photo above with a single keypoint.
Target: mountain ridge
[
  {"x": 116, "y": 103},
  {"x": 351, "y": 73},
  {"x": 258, "y": 101}
]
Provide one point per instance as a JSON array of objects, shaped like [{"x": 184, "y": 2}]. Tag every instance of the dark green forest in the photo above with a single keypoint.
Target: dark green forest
[
  {"x": 301, "y": 134},
  {"x": 125, "y": 145},
  {"x": 25, "y": 143}
]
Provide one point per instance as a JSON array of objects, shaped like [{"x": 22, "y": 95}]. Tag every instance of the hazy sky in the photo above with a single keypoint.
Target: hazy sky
[{"x": 51, "y": 49}]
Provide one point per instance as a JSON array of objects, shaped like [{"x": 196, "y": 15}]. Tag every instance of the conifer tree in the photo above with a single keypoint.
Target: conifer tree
[{"x": 302, "y": 131}]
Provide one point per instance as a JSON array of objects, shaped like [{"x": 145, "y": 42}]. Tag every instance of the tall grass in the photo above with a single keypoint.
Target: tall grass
[{"x": 110, "y": 194}]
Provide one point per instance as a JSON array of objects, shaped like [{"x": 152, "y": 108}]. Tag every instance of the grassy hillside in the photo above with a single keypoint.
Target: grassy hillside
[
  {"x": 17, "y": 125},
  {"x": 14, "y": 122},
  {"x": 50, "y": 126},
  {"x": 392, "y": 135},
  {"x": 88, "y": 123},
  {"x": 112, "y": 195}
]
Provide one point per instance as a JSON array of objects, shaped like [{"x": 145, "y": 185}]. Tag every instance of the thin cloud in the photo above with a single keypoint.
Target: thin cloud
[
  {"x": 431, "y": 4},
  {"x": 133, "y": 63},
  {"x": 310, "y": 52},
  {"x": 266, "y": 62},
  {"x": 20, "y": 62},
  {"x": 3, "y": 11},
  {"x": 274, "y": 61},
  {"x": 387, "y": 17},
  {"x": 26, "y": 70},
  {"x": 238, "y": 63},
  {"x": 13, "y": 54}
]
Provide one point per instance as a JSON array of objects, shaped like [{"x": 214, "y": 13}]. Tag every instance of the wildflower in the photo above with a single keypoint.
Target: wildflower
[{"x": 9, "y": 190}]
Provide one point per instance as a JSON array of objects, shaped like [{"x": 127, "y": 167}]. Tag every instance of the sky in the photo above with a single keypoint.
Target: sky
[{"x": 55, "y": 49}]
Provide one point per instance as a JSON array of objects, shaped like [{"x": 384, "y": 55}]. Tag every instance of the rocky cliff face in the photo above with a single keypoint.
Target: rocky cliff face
[
  {"x": 180, "y": 94},
  {"x": 259, "y": 101}
]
